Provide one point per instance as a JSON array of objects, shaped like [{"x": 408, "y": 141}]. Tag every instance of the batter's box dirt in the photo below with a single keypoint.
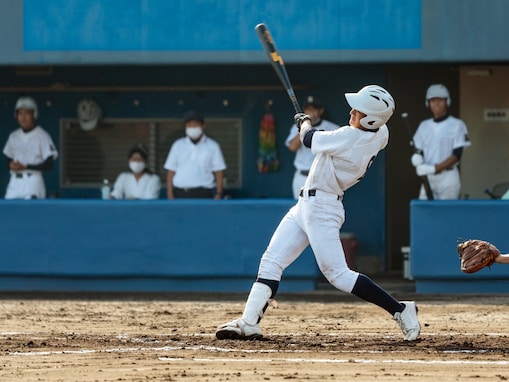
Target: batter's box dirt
[{"x": 93, "y": 338}]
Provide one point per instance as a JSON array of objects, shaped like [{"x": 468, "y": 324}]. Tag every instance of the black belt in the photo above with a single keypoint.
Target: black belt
[
  {"x": 20, "y": 174},
  {"x": 304, "y": 172},
  {"x": 192, "y": 192},
  {"x": 313, "y": 193}
]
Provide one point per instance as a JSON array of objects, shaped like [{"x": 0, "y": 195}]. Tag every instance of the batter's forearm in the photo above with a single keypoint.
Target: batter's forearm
[{"x": 306, "y": 133}]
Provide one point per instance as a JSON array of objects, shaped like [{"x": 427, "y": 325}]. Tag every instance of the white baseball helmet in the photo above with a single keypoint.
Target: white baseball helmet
[
  {"x": 437, "y": 91},
  {"x": 375, "y": 102},
  {"x": 89, "y": 113},
  {"x": 26, "y": 103}
]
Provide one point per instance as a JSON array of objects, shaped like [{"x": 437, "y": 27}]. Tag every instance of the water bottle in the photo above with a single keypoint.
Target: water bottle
[{"x": 105, "y": 189}]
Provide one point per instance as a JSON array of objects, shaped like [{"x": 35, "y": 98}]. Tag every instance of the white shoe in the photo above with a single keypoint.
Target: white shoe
[
  {"x": 408, "y": 322},
  {"x": 238, "y": 330}
]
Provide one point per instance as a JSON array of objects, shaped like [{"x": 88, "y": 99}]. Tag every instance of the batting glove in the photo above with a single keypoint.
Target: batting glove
[
  {"x": 417, "y": 159},
  {"x": 425, "y": 169},
  {"x": 299, "y": 119}
]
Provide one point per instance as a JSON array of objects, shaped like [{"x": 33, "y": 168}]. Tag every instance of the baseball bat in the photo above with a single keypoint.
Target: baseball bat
[
  {"x": 277, "y": 62},
  {"x": 424, "y": 179}
]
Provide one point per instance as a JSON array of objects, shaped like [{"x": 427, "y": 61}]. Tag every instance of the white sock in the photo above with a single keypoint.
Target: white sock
[{"x": 256, "y": 303}]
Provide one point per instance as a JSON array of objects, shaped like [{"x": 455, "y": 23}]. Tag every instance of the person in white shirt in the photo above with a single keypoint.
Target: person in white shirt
[
  {"x": 195, "y": 163},
  {"x": 139, "y": 182},
  {"x": 29, "y": 151},
  {"x": 441, "y": 140},
  {"x": 303, "y": 155}
]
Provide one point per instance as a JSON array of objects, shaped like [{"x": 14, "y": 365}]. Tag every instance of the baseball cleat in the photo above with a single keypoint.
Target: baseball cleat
[
  {"x": 408, "y": 321},
  {"x": 238, "y": 330}
]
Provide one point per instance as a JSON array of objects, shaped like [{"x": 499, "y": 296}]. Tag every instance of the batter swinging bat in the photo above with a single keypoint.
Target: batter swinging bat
[
  {"x": 277, "y": 62},
  {"x": 425, "y": 181}
]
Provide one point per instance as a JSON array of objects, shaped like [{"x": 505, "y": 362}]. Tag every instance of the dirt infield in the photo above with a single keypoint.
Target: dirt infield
[{"x": 309, "y": 337}]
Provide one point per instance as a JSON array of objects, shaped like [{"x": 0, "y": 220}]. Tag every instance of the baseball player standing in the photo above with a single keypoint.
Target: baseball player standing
[
  {"x": 341, "y": 159},
  {"x": 29, "y": 151},
  {"x": 303, "y": 155},
  {"x": 441, "y": 140}
]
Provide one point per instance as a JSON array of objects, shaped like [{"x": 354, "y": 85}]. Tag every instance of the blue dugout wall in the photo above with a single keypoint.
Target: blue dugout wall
[{"x": 185, "y": 245}]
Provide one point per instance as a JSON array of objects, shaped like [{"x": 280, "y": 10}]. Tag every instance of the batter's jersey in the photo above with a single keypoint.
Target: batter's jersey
[
  {"x": 343, "y": 157},
  {"x": 32, "y": 147},
  {"x": 127, "y": 187},
  {"x": 195, "y": 163},
  {"x": 303, "y": 156},
  {"x": 437, "y": 140}
]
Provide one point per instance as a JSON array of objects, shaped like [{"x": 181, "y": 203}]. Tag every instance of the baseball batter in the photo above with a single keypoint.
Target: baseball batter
[
  {"x": 29, "y": 151},
  {"x": 303, "y": 155},
  {"x": 341, "y": 159},
  {"x": 442, "y": 140}
]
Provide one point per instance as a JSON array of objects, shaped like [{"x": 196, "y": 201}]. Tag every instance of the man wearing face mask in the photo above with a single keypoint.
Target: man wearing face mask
[
  {"x": 195, "y": 163},
  {"x": 139, "y": 182}
]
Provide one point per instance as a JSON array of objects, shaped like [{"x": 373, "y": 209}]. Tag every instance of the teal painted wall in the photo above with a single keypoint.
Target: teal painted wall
[{"x": 212, "y": 31}]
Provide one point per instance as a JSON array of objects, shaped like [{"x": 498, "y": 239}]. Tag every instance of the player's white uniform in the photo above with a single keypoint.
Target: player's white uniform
[
  {"x": 342, "y": 158},
  {"x": 437, "y": 140},
  {"x": 303, "y": 156},
  {"x": 127, "y": 187},
  {"x": 29, "y": 148}
]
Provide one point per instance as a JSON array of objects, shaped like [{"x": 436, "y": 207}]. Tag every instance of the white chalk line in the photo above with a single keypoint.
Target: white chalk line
[
  {"x": 328, "y": 360},
  {"x": 216, "y": 349},
  {"x": 296, "y": 335},
  {"x": 262, "y": 351}
]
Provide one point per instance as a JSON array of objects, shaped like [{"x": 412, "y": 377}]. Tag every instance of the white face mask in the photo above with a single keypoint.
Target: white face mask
[
  {"x": 136, "y": 167},
  {"x": 194, "y": 132}
]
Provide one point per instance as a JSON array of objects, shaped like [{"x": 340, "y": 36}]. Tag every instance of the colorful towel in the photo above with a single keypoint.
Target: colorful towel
[{"x": 267, "y": 154}]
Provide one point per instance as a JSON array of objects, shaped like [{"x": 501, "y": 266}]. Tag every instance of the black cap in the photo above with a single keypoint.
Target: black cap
[
  {"x": 194, "y": 116},
  {"x": 139, "y": 148},
  {"x": 312, "y": 101}
]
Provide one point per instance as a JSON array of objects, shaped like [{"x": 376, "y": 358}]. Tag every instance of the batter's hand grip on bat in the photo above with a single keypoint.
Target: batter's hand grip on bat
[{"x": 277, "y": 62}]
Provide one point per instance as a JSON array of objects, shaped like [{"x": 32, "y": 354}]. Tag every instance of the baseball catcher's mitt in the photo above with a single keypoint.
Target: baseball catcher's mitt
[{"x": 476, "y": 254}]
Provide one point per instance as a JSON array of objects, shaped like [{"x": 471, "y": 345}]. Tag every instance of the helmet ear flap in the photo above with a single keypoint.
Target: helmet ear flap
[
  {"x": 448, "y": 102},
  {"x": 372, "y": 122}
]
